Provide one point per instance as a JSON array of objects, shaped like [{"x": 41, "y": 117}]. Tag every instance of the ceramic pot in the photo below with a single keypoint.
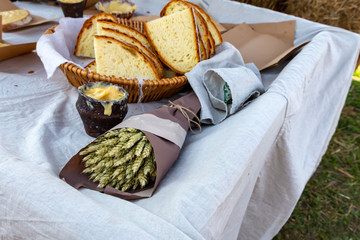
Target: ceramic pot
[
  {"x": 94, "y": 113},
  {"x": 72, "y": 8}
]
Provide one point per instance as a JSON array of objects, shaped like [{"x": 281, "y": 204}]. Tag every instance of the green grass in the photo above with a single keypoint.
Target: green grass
[
  {"x": 357, "y": 72},
  {"x": 329, "y": 207}
]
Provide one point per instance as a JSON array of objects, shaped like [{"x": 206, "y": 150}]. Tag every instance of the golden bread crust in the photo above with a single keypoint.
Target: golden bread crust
[
  {"x": 134, "y": 41},
  {"x": 136, "y": 51},
  {"x": 161, "y": 54},
  {"x": 86, "y": 28}
]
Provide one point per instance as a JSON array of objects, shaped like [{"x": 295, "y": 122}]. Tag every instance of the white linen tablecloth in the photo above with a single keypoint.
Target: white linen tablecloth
[{"x": 239, "y": 179}]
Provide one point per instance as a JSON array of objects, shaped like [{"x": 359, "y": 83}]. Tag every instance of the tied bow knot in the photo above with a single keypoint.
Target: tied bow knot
[{"x": 184, "y": 111}]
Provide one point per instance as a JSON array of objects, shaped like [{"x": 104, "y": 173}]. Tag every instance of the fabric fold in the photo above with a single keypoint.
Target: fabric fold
[{"x": 224, "y": 84}]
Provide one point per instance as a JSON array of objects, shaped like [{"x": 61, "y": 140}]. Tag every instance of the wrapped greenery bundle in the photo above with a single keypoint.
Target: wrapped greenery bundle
[
  {"x": 122, "y": 158},
  {"x": 130, "y": 160}
]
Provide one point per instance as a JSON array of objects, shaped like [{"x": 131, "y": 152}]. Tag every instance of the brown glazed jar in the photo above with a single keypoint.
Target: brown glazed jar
[
  {"x": 99, "y": 115},
  {"x": 72, "y": 8}
]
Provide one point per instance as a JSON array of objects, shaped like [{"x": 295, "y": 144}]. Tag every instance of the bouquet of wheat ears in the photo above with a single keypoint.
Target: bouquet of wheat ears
[{"x": 130, "y": 160}]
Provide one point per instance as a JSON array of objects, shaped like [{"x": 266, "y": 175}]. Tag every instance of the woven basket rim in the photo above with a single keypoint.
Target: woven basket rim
[{"x": 99, "y": 77}]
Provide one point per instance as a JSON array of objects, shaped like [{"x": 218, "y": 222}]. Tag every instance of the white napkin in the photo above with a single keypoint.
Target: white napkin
[
  {"x": 224, "y": 84},
  {"x": 57, "y": 48}
]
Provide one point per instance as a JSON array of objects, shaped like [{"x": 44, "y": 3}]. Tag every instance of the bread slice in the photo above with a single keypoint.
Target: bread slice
[
  {"x": 118, "y": 59},
  {"x": 178, "y": 5},
  {"x": 174, "y": 38},
  {"x": 125, "y": 29},
  {"x": 204, "y": 33},
  {"x": 12, "y": 19},
  {"x": 203, "y": 51},
  {"x": 85, "y": 41},
  {"x": 133, "y": 41},
  {"x": 209, "y": 40},
  {"x": 215, "y": 33}
]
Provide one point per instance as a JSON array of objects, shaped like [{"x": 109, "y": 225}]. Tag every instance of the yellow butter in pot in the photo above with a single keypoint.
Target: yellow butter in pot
[
  {"x": 104, "y": 93},
  {"x": 101, "y": 106},
  {"x": 116, "y": 7}
]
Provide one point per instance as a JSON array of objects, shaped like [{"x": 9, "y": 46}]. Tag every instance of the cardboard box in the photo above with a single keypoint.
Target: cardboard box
[
  {"x": 13, "y": 50},
  {"x": 36, "y": 20}
]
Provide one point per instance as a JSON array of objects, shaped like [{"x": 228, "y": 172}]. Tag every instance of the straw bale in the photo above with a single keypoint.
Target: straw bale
[
  {"x": 344, "y": 14},
  {"x": 277, "y": 5}
]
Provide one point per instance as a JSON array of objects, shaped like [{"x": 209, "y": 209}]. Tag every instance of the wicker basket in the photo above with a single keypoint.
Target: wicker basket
[{"x": 144, "y": 90}]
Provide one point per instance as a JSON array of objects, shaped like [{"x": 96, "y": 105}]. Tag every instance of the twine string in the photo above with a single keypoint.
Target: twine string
[{"x": 184, "y": 111}]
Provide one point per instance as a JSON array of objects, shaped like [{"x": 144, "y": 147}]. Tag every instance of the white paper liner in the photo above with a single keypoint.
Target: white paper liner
[{"x": 58, "y": 48}]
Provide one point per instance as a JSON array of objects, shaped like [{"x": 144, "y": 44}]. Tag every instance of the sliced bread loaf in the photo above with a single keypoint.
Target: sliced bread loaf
[
  {"x": 174, "y": 38},
  {"x": 178, "y": 5},
  {"x": 85, "y": 41},
  {"x": 133, "y": 41},
  {"x": 125, "y": 29},
  {"x": 203, "y": 32},
  {"x": 12, "y": 19},
  {"x": 118, "y": 59}
]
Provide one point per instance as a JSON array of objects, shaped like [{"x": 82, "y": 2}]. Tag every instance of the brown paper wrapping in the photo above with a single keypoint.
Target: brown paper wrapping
[
  {"x": 264, "y": 44},
  {"x": 166, "y": 153},
  {"x": 13, "y": 50}
]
